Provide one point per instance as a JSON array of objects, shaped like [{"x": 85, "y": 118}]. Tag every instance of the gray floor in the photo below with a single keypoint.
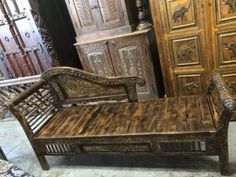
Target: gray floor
[{"x": 18, "y": 151}]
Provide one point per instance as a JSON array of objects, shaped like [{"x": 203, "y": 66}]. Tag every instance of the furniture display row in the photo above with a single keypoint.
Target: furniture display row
[
  {"x": 194, "y": 38},
  {"x": 59, "y": 118}
]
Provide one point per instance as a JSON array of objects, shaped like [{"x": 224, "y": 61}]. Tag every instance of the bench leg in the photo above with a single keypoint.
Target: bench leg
[
  {"x": 43, "y": 162},
  {"x": 224, "y": 158}
]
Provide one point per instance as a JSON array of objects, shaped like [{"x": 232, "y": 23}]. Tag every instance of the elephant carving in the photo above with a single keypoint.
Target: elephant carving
[
  {"x": 232, "y": 47},
  {"x": 231, "y": 4},
  {"x": 180, "y": 13},
  {"x": 185, "y": 53},
  {"x": 189, "y": 88}
]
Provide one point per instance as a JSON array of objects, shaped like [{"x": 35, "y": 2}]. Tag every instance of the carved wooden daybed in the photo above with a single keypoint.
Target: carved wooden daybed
[{"x": 59, "y": 118}]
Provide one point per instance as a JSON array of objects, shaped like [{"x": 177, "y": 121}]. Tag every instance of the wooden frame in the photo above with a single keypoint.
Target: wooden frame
[{"x": 57, "y": 119}]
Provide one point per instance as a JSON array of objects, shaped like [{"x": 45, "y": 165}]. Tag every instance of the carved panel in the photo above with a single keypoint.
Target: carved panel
[
  {"x": 230, "y": 80},
  {"x": 96, "y": 59},
  {"x": 226, "y": 43},
  {"x": 181, "y": 13},
  {"x": 128, "y": 58},
  {"x": 226, "y": 10},
  {"x": 190, "y": 84},
  {"x": 109, "y": 13},
  {"x": 187, "y": 51},
  {"x": 84, "y": 11},
  {"x": 74, "y": 88}
]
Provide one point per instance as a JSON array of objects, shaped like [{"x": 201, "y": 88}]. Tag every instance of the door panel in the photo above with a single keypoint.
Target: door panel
[
  {"x": 131, "y": 57},
  {"x": 190, "y": 84},
  {"x": 181, "y": 14},
  {"x": 187, "y": 51},
  {"x": 109, "y": 13},
  {"x": 225, "y": 11},
  {"x": 84, "y": 19},
  {"x": 226, "y": 42},
  {"x": 96, "y": 58},
  {"x": 230, "y": 80}
]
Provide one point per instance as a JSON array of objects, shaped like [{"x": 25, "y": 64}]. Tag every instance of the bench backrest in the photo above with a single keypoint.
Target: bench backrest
[
  {"x": 221, "y": 103},
  {"x": 62, "y": 86},
  {"x": 73, "y": 86}
]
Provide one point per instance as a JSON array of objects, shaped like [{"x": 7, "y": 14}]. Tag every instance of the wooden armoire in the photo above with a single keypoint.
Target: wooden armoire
[
  {"x": 23, "y": 51},
  {"x": 194, "y": 38},
  {"x": 108, "y": 44}
]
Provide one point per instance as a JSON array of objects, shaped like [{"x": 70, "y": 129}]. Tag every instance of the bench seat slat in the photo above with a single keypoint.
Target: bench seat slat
[{"x": 132, "y": 118}]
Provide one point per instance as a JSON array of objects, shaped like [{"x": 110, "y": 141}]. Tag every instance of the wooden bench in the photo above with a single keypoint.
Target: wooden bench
[{"x": 59, "y": 118}]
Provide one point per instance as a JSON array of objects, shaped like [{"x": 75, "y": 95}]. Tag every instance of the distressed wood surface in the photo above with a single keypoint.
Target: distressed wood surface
[{"x": 160, "y": 116}]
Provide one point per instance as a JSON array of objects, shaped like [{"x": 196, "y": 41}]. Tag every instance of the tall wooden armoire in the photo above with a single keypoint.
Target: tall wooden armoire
[
  {"x": 23, "y": 51},
  {"x": 108, "y": 44},
  {"x": 194, "y": 38}
]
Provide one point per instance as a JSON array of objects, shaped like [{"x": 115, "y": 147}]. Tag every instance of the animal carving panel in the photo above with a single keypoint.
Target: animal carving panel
[
  {"x": 185, "y": 54},
  {"x": 232, "y": 48},
  {"x": 231, "y": 5},
  {"x": 191, "y": 88},
  {"x": 181, "y": 13}
]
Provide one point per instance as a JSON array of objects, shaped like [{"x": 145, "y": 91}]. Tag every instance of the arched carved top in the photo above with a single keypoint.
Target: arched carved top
[{"x": 74, "y": 84}]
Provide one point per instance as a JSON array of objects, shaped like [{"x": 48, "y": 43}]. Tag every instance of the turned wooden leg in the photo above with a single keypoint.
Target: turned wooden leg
[
  {"x": 224, "y": 158},
  {"x": 43, "y": 162}
]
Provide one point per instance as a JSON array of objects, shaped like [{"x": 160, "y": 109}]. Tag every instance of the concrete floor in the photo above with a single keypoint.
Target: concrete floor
[{"x": 18, "y": 151}]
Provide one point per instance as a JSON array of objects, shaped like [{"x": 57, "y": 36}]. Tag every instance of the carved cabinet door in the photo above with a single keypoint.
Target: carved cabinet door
[
  {"x": 95, "y": 58},
  {"x": 131, "y": 57},
  {"x": 184, "y": 47},
  {"x": 109, "y": 13},
  {"x": 83, "y": 15}
]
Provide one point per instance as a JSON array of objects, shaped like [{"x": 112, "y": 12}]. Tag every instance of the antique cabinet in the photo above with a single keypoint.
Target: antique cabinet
[
  {"x": 102, "y": 17},
  {"x": 23, "y": 52},
  {"x": 195, "y": 37},
  {"x": 122, "y": 55}
]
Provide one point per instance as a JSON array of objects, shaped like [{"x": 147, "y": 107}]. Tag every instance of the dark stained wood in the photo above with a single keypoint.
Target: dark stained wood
[{"x": 63, "y": 118}]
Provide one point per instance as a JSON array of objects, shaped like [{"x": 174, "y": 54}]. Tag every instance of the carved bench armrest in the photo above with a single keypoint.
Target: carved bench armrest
[
  {"x": 33, "y": 107},
  {"x": 221, "y": 102}
]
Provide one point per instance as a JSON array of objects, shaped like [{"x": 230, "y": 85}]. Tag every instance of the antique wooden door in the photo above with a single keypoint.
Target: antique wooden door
[
  {"x": 95, "y": 58},
  {"x": 183, "y": 42},
  {"x": 20, "y": 41},
  {"x": 224, "y": 39}
]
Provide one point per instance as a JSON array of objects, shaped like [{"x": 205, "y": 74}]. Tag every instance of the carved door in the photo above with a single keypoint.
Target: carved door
[
  {"x": 82, "y": 13},
  {"x": 109, "y": 13},
  {"x": 131, "y": 57},
  {"x": 95, "y": 58},
  {"x": 184, "y": 47},
  {"x": 224, "y": 39},
  {"x": 20, "y": 43}
]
